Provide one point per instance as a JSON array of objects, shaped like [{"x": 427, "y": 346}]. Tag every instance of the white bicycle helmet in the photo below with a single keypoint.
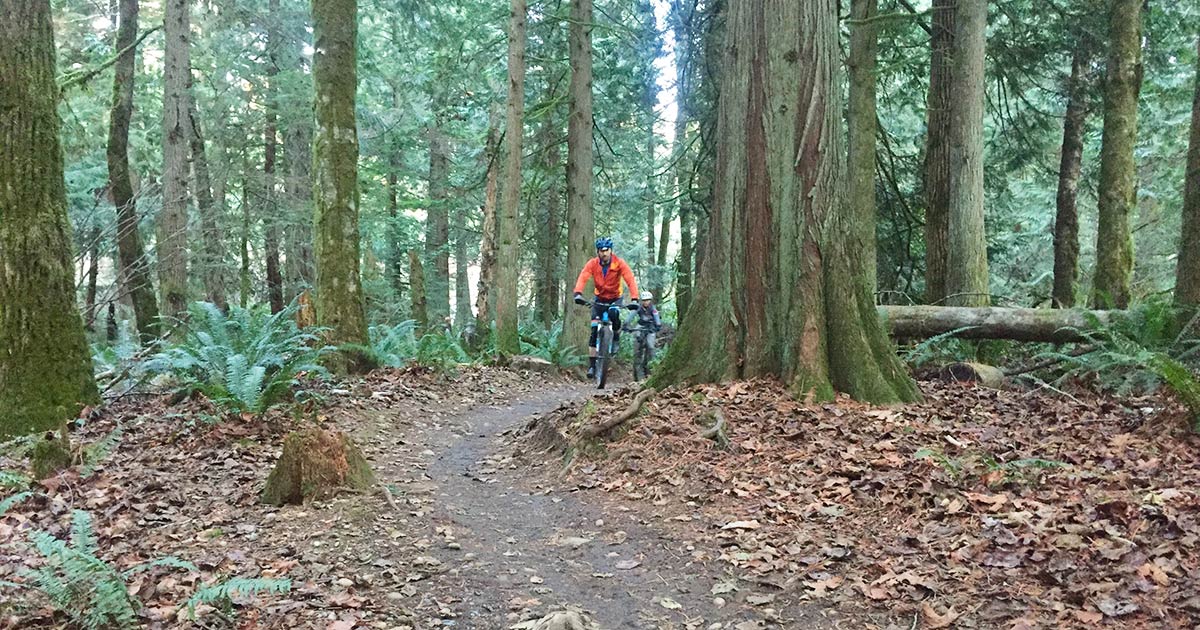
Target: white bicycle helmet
[{"x": 646, "y": 295}]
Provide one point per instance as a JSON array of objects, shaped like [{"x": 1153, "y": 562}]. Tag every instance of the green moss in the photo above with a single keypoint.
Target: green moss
[{"x": 50, "y": 456}]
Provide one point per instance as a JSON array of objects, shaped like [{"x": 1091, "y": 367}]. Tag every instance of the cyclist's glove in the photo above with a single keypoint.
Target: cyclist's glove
[{"x": 579, "y": 299}]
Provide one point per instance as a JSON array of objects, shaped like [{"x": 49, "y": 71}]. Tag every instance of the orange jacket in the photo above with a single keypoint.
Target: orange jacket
[{"x": 608, "y": 285}]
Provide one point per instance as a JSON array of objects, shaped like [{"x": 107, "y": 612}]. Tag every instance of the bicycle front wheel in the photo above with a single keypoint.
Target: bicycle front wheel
[{"x": 604, "y": 356}]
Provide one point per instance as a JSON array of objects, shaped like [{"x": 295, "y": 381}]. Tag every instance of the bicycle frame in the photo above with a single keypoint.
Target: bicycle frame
[{"x": 606, "y": 320}]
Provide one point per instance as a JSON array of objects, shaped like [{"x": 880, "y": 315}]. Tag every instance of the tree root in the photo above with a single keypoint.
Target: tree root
[
  {"x": 716, "y": 432},
  {"x": 592, "y": 430}
]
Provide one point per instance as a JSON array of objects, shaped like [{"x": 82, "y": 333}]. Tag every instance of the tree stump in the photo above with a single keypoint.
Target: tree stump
[
  {"x": 986, "y": 375},
  {"x": 316, "y": 464}
]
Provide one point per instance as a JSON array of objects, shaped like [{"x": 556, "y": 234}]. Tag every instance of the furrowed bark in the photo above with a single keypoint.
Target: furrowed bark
[
  {"x": 1066, "y": 218},
  {"x": 581, "y": 228},
  {"x": 508, "y": 341}
]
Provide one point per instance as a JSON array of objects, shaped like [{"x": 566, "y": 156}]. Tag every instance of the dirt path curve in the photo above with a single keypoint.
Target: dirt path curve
[{"x": 512, "y": 546}]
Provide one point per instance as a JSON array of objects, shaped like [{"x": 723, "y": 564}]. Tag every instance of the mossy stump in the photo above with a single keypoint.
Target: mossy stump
[
  {"x": 316, "y": 464},
  {"x": 50, "y": 455}
]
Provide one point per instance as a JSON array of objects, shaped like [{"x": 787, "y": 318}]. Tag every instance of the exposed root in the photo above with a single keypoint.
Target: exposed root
[{"x": 590, "y": 431}]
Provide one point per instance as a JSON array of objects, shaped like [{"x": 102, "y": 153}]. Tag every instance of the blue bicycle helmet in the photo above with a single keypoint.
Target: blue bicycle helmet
[{"x": 603, "y": 242}]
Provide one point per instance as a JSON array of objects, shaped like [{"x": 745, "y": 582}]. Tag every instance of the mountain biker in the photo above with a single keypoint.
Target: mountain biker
[
  {"x": 607, "y": 272},
  {"x": 647, "y": 318}
]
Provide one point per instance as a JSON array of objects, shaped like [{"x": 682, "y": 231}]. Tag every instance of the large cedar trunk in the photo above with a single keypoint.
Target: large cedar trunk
[
  {"x": 1118, "y": 171},
  {"x": 1187, "y": 274},
  {"x": 131, "y": 256},
  {"x": 966, "y": 256},
  {"x": 864, "y": 44},
  {"x": 172, "y": 244},
  {"x": 416, "y": 289},
  {"x": 581, "y": 228},
  {"x": 784, "y": 291},
  {"x": 437, "y": 222},
  {"x": 340, "y": 305},
  {"x": 508, "y": 341},
  {"x": 1066, "y": 217},
  {"x": 936, "y": 178},
  {"x": 45, "y": 365}
]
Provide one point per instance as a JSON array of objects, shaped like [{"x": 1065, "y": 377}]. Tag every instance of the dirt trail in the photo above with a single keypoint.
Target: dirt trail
[{"x": 512, "y": 545}]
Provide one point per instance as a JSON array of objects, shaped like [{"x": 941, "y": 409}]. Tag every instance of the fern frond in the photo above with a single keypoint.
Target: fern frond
[
  {"x": 9, "y": 502},
  {"x": 169, "y": 561},
  {"x": 245, "y": 586}
]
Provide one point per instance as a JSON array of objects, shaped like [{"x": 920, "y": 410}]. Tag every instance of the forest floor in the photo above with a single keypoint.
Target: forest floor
[{"x": 974, "y": 509}]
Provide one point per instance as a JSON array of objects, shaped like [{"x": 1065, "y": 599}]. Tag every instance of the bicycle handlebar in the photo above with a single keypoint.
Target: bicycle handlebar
[{"x": 628, "y": 307}]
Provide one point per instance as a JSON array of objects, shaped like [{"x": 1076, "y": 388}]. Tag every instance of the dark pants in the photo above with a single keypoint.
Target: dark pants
[{"x": 598, "y": 309}]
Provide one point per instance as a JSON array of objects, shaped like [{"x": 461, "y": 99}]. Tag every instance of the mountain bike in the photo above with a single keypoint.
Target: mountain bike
[
  {"x": 641, "y": 352},
  {"x": 606, "y": 349}
]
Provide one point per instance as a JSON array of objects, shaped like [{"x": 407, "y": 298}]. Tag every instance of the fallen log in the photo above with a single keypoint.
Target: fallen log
[{"x": 992, "y": 322}]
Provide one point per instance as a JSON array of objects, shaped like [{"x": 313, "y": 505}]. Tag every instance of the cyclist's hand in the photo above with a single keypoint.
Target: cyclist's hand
[{"x": 579, "y": 299}]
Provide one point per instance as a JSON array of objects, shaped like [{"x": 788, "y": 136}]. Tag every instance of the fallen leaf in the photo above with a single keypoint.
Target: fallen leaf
[
  {"x": 625, "y": 565},
  {"x": 741, "y": 525},
  {"x": 758, "y": 599},
  {"x": 669, "y": 604},
  {"x": 935, "y": 620}
]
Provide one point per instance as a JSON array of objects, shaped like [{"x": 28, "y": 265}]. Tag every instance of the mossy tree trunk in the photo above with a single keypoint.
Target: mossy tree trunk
[
  {"x": 212, "y": 259},
  {"x": 1118, "y": 170},
  {"x": 508, "y": 341},
  {"x": 1066, "y": 217},
  {"x": 416, "y": 289},
  {"x": 936, "y": 176},
  {"x": 437, "y": 222},
  {"x": 864, "y": 45},
  {"x": 45, "y": 364},
  {"x": 335, "y": 172},
  {"x": 297, "y": 123},
  {"x": 172, "y": 241},
  {"x": 682, "y": 14},
  {"x": 1187, "y": 274},
  {"x": 485, "y": 290},
  {"x": 966, "y": 256},
  {"x": 131, "y": 256},
  {"x": 784, "y": 291},
  {"x": 581, "y": 227},
  {"x": 549, "y": 278},
  {"x": 271, "y": 218}
]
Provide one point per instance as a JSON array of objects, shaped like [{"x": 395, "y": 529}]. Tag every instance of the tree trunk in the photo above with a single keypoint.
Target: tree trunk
[
  {"x": 244, "y": 285},
  {"x": 1066, "y": 218},
  {"x": 1118, "y": 171},
  {"x": 416, "y": 288},
  {"x": 989, "y": 322},
  {"x": 581, "y": 228},
  {"x": 462, "y": 263},
  {"x": 548, "y": 278},
  {"x": 437, "y": 222},
  {"x": 967, "y": 272},
  {"x": 270, "y": 148},
  {"x": 297, "y": 124},
  {"x": 92, "y": 275},
  {"x": 340, "y": 305},
  {"x": 936, "y": 178},
  {"x": 485, "y": 299},
  {"x": 508, "y": 341},
  {"x": 45, "y": 363},
  {"x": 784, "y": 292},
  {"x": 212, "y": 261},
  {"x": 176, "y": 138},
  {"x": 131, "y": 257},
  {"x": 864, "y": 44},
  {"x": 1187, "y": 273},
  {"x": 683, "y": 264}
]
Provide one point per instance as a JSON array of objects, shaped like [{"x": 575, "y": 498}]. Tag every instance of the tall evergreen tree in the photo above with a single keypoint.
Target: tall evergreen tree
[
  {"x": 1066, "y": 218},
  {"x": 131, "y": 256},
  {"x": 936, "y": 175},
  {"x": 172, "y": 243},
  {"x": 1187, "y": 273},
  {"x": 1111, "y": 286},
  {"x": 45, "y": 364},
  {"x": 966, "y": 256},
  {"x": 335, "y": 172},
  {"x": 508, "y": 340},
  {"x": 581, "y": 229}
]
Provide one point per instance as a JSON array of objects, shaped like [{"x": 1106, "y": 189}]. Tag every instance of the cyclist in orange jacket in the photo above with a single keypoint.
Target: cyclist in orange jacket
[{"x": 607, "y": 271}]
